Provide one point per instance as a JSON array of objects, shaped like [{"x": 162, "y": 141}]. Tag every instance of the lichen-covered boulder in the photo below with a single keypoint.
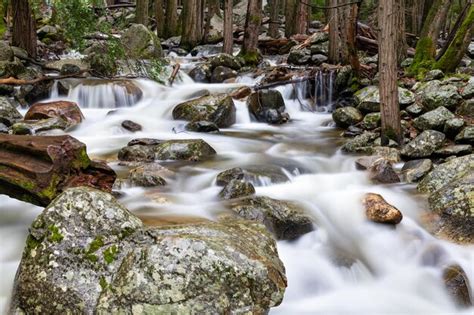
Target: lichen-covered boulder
[
  {"x": 368, "y": 99},
  {"x": 299, "y": 56},
  {"x": 454, "y": 149},
  {"x": 347, "y": 116},
  {"x": 435, "y": 74},
  {"x": 201, "y": 73},
  {"x": 466, "y": 109},
  {"x": 220, "y": 74},
  {"x": 380, "y": 211},
  {"x": 414, "y": 170},
  {"x": 149, "y": 150},
  {"x": 226, "y": 60},
  {"x": 33, "y": 127},
  {"x": 434, "y": 94},
  {"x": 8, "y": 112},
  {"x": 424, "y": 144},
  {"x": 466, "y": 135},
  {"x": 361, "y": 144},
  {"x": 453, "y": 126},
  {"x": 286, "y": 220},
  {"x": 258, "y": 175},
  {"x": 219, "y": 109},
  {"x": 237, "y": 188},
  {"x": 67, "y": 111},
  {"x": 467, "y": 91},
  {"x": 148, "y": 175},
  {"x": 268, "y": 106},
  {"x": 141, "y": 43},
  {"x": 434, "y": 119},
  {"x": 87, "y": 254}
]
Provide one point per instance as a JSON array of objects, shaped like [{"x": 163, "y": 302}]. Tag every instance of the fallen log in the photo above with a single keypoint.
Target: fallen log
[
  {"x": 15, "y": 81},
  {"x": 36, "y": 169}
]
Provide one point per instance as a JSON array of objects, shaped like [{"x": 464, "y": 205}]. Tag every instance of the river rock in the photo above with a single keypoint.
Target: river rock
[
  {"x": 8, "y": 112},
  {"x": 141, "y": 43},
  {"x": 347, "y": 116},
  {"x": 33, "y": 127},
  {"x": 413, "y": 171},
  {"x": 457, "y": 284},
  {"x": 201, "y": 73},
  {"x": 237, "y": 188},
  {"x": 434, "y": 119},
  {"x": 434, "y": 94},
  {"x": 454, "y": 149},
  {"x": 268, "y": 106},
  {"x": 285, "y": 220},
  {"x": 87, "y": 254},
  {"x": 435, "y": 74},
  {"x": 149, "y": 150},
  {"x": 67, "y": 111},
  {"x": 424, "y": 144},
  {"x": 219, "y": 109},
  {"x": 368, "y": 99},
  {"x": 36, "y": 169},
  {"x": 202, "y": 126},
  {"x": 466, "y": 135},
  {"x": 148, "y": 175},
  {"x": 299, "y": 56},
  {"x": 69, "y": 68},
  {"x": 381, "y": 171},
  {"x": 446, "y": 172},
  {"x": 131, "y": 126},
  {"x": 453, "y": 126},
  {"x": 380, "y": 211},
  {"x": 220, "y": 74},
  {"x": 226, "y": 60},
  {"x": 415, "y": 109},
  {"x": 258, "y": 175},
  {"x": 6, "y": 52},
  {"x": 466, "y": 109},
  {"x": 361, "y": 144},
  {"x": 372, "y": 121},
  {"x": 241, "y": 93},
  {"x": 467, "y": 91}
]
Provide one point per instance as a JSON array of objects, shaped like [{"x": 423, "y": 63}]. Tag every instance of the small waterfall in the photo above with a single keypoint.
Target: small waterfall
[{"x": 317, "y": 95}]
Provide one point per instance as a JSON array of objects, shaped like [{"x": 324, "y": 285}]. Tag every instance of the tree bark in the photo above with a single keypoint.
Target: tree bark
[
  {"x": 333, "y": 33},
  {"x": 252, "y": 30},
  {"x": 191, "y": 29},
  {"x": 295, "y": 18},
  {"x": 171, "y": 19},
  {"x": 388, "y": 21},
  {"x": 228, "y": 27},
  {"x": 24, "y": 30},
  {"x": 351, "y": 39},
  {"x": 212, "y": 9},
  {"x": 273, "y": 28},
  {"x": 160, "y": 17},
  {"x": 401, "y": 40},
  {"x": 142, "y": 12}
]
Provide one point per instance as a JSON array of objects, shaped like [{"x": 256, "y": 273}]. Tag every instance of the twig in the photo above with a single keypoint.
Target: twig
[{"x": 176, "y": 68}]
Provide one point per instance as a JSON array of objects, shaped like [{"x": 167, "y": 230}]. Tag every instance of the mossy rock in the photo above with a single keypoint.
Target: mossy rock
[{"x": 141, "y": 43}]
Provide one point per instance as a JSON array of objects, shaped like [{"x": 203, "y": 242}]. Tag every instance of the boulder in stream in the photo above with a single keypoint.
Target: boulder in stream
[
  {"x": 8, "y": 112},
  {"x": 141, "y": 43},
  {"x": 202, "y": 126},
  {"x": 414, "y": 170},
  {"x": 67, "y": 111},
  {"x": 36, "y": 169},
  {"x": 219, "y": 109},
  {"x": 424, "y": 144},
  {"x": 34, "y": 127},
  {"x": 87, "y": 254},
  {"x": 457, "y": 284},
  {"x": 131, "y": 126},
  {"x": 381, "y": 171},
  {"x": 237, "y": 188},
  {"x": 258, "y": 175},
  {"x": 268, "y": 106},
  {"x": 347, "y": 116},
  {"x": 148, "y": 175},
  {"x": 380, "y": 211}
]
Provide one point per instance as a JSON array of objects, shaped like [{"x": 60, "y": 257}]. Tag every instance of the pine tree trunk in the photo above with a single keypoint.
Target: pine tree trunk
[
  {"x": 273, "y": 28},
  {"x": 24, "y": 30},
  {"x": 351, "y": 38},
  {"x": 228, "y": 27},
  {"x": 402, "y": 40},
  {"x": 171, "y": 19},
  {"x": 191, "y": 29},
  {"x": 333, "y": 54},
  {"x": 160, "y": 17},
  {"x": 252, "y": 29},
  {"x": 142, "y": 12},
  {"x": 295, "y": 18},
  {"x": 388, "y": 21}
]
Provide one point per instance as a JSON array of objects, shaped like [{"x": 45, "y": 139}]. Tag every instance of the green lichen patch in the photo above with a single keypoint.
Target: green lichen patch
[
  {"x": 110, "y": 254},
  {"x": 55, "y": 235}
]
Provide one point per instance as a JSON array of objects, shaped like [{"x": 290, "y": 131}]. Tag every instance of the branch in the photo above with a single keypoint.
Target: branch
[
  {"x": 15, "y": 81},
  {"x": 176, "y": 68}
]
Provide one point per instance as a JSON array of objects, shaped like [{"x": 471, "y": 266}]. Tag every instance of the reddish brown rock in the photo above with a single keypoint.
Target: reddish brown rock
[
  {"x": 36, "y": 169},
  {"x": 457, "y": 284},
  {"x": 381, "y": 171},
  {"x": 68, "y": 111},
  {"x": 380, "y": 211}
]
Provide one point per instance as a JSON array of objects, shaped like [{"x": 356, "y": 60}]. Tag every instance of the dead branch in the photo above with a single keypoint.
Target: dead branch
[
  {"x": 176, "y": 68},
  {"x": 15, "y": 81}
]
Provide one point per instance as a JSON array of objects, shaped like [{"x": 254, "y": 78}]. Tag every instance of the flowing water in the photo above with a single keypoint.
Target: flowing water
[{"x": 346, "y": 266}]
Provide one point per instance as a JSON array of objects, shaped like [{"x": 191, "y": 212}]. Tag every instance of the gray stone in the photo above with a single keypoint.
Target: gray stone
[
  {"x": 467, "y": 91},
  {"x": 407, "y": 62},
  {"x": 220, "y": 74},
  {"x": 202, "y": 126},
  {"x": 8, "y": 112},
  {"x": 347, "y": 116},
  {"x": 454, "y": 149},
  {"x": 434, "y": 94},
  {"x": 381, "y": 171},
  {"x": 371, "y": 121},
  {"x": 434, "y": 119},
  {"x": 453, "y": 126},
  {"x": 318, "y": 59},
  {"x": 226, "y": 60},
  {"x": 470, "y": 50},
  {"x": 361, "y": 144},
  {"x": 299, "y": 56},
  {"x": 148, "y": 175},
  {"x": 201, "y": 73},
  {"x": 415, "y": 109},
  {"x": 466, "y": 135},
  {"x": 33, "y": 127},
  {"x": 258, "y": 175},
  {"x": 69, "y": 68},
  {"x": 268, "y": 106},
  {"x": 237, "y": 188},
  {"x": 6, "y": 52},
  {"x": 424, "y": 144},
  {"x": 368, "y": 99},
  {"x": 434, "y": 75},
  {"x": 322, "y": 48},
  {"x": 413, "y": 171},
  {"x": 131, "y": 126},
  {"x": 141, "y": 43},
  {"x": 466, "y": 109}
]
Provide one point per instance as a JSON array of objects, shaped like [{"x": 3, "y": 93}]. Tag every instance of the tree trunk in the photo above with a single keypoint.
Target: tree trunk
[
  {"x": 342, "y": 33},
  {"x": 252, "y": 30},
  {"x": 388, "y": 22},
  {"x": 160, "y": 17},
  {"x": 426, "y": 46},
  {"x": 273, "y": 28},
  {"x": 351, "y": 38},
  {"x": 228, "y": 27},
  {"x": 212, "y": 9},
  {"x": 191, "y": 29},
  {"x": 402, "y": 40},
  {"x": 333, "y": 32},
  {"x": 24, "y": 30},
  {"x": 142, "y": 12},
  {"x": 171, "y": 19},
  {"x": 457, "y": 48},
  {"x": 295, "y": 18}
]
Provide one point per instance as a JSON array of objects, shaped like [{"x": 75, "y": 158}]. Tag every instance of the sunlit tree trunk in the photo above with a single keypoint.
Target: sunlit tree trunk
[
  {"x": 228, "y": 27},
  {"x": 24, "y": 30}
]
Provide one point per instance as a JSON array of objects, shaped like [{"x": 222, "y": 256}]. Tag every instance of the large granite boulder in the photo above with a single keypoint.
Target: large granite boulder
[
  {"x": 257, "y": 175},
  {"x": 141, "y": 43},
  {"x": 8, "y": 112},
  {"x": 226, "y": 60},
  {"x": 424, "y": 144},
  {"x": 219, "y": 109},
  {"x": 37, "y": 169},
  {"x": 87, "y": 254},
  {"x": 434, "y": 119},
  {"x": 347, "y": 116},
  {"x": 434, "y": 94},
  {"x": 368, "y": 99},
  {"x": 268, "y": 106}
]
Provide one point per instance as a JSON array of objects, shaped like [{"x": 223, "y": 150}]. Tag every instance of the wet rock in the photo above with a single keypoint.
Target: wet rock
[
  {"x": 368, "y": 99},
  {"x": 466, "y": 135},
  {"x": 434, "y": 94},
  {"x": 434, "y": 119},
  {"x": 8, "y": 112},
  {"x": 268, "y": 106},
  {"x": 226, "y": 60},
  {"x": 353, "y": 131},
  {"x": 131, "y": 126},
  {"x": 201, "y": 73},
  {"x": 470, "y": 50},
  {"x": 219, "y": 109},
  {"x": 258, "y": 175},
  {"x": 361, "y": 143},
  {"x": 381, "y": 171},
  {"x": 48, "y": 32},
  {"x": 453, "y": 126},
  {"x": 322, "y": 48},
  {"x": 364, "y": 163},
  {"x": 67, "y": 111},
  {"x": 69, "y": 68},
  {"x": 299, "y": 56},
  {"x": 434, "y": 75},
  {"x": 347, "y": 116},
  {"x": 318, "y": 59},
  {"x": 33, "y": 127},
  {"x": 220, "y": 74},
  {"x": 237, "y": 188},
  {"x": 424, "y": 144},
  {"x": 371, "y": 121},
  {"x": 35, "y": 93},
  {"x": 105, "y": 261},
  {"x": 141, "y": 43},
  {"x": 149, "y": 151},
  {"x": 148, "y": 175},
  {"x": 6, "y": 90},
  {"x": 446, "y": 172},
  {"x": 3, "y": 128},
  {"x": 241, "y": 92},
  {"x": 457, "y": 284},
  {"x": 6, "y": 52},
  {"x": 454, "y": 149},
  {"x": 285, "y": 220},
  {"x": 415, "y": 109},
  {"x": 202, "y": 126},
  {"x": 390, "y": 154},
  {"x": 36, "y": 169},
  {"x": 380, "y": 211},
  {"x": 413, "y": 171}
]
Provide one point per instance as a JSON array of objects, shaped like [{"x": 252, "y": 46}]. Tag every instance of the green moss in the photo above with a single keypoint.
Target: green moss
[
  {"x": 424, "y": 58},
  {"x": 103, "y": 283},
  {"x": 55, "y": 235},
  {"x": 110, "y": 254},
  {"x": 95, "y": 245},
  {"x": 251, "y": 58},
  {"x": 82, "y": 160},
  {"x": 32, "y": 243}
]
